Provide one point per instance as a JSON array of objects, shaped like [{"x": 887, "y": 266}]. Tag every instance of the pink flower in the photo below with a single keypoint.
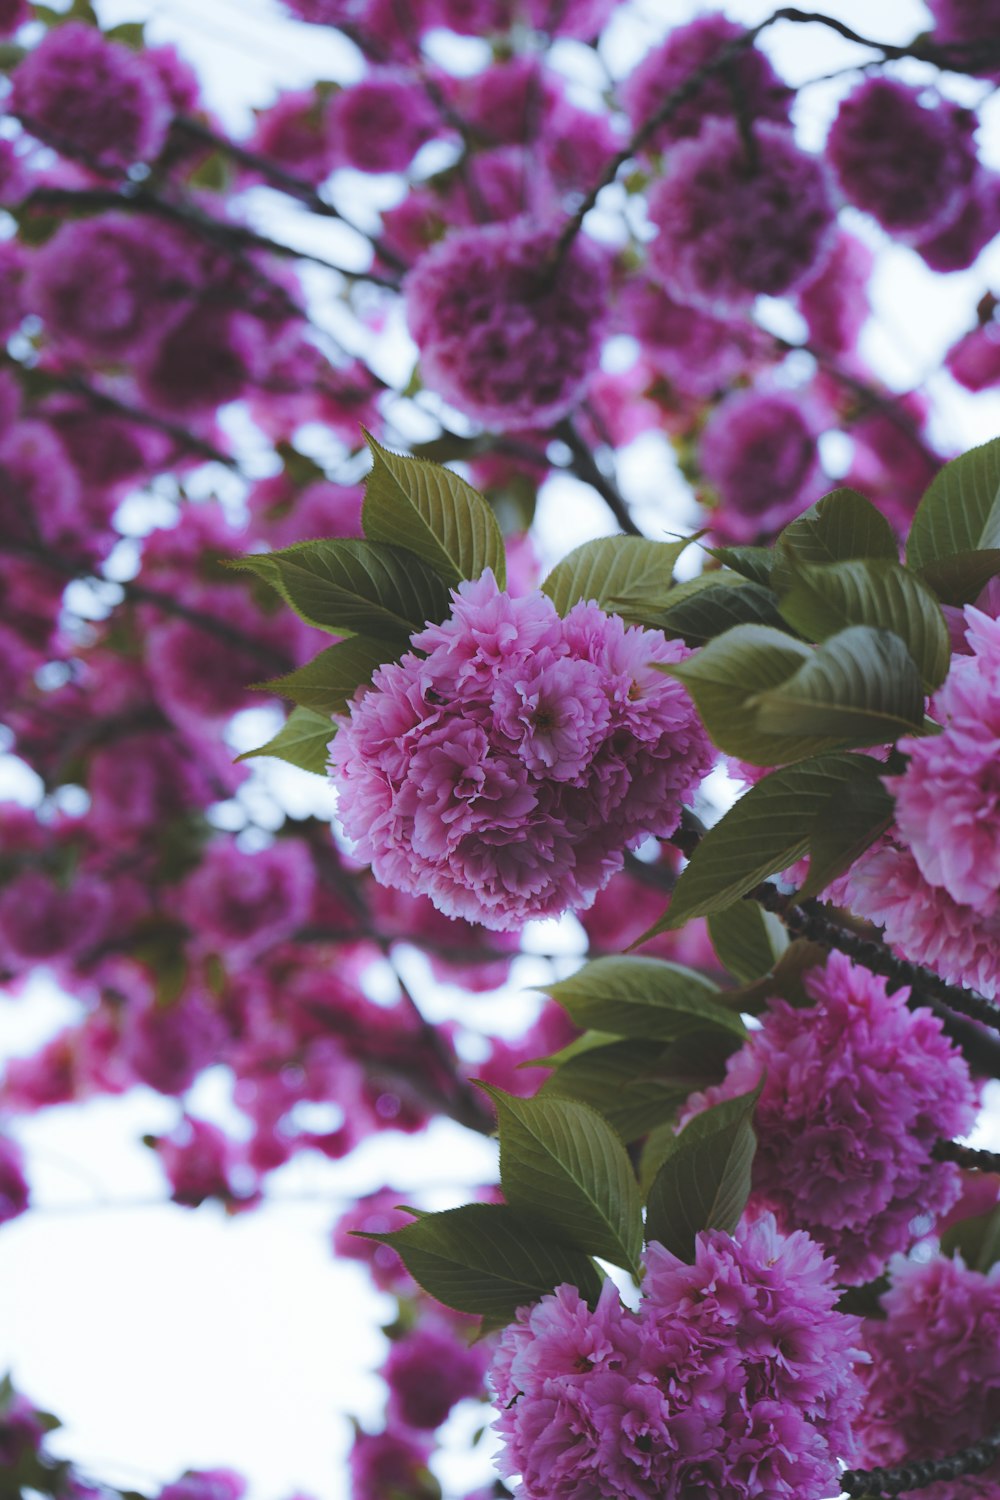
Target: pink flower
[
  {"x": 696, "y": 353},
  {"x": 498, "y": 336},
  {"x": 379, "y": 124},
  {"x": 955, "y": 247},
  {"x": 748, "y": 79},
  {"x": 504, "y": 773},
  {"x": 759, "y": 450},
  {"x": 975, "y": 360},
  {"x": 948, "y": 798},
  {"x": 91, "y": 97},
  {"x": 933, "y": 1384},
  {"x": 238, "y": 903},
  {"x": 107, "y": 288},
  {"x": 735, "y": 1377},
  {"x": 835, "y": 303},
  {"x": 428, "y": 1370},
  {"x": 294, "y": 134},
  {"x": 901, "y": 161},
  {"x": 201, "y": 1162},
  {"x": 14, "y": 1192},
  {"x": 735, "y": 221},
  {"x": 857, "y": 1091},
  {"x": 13, "y": 13}
]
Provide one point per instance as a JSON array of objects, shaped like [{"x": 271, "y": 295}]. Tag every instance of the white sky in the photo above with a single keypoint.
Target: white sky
[{"x": 165, "y": 1338}]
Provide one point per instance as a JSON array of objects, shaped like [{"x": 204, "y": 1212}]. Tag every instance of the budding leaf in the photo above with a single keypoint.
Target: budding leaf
[
  {"x": 703, "y": 1181},
  {"x": 354, "y": 587},
  {"x": 416, "y": 504},
  {"x": 616, "y": 571},
  {"x": 303, "y": 742},
  {"x": 643, "y": 997},
  {"x": 960, "y": 511},
  {"x": 328, "y": 682},
  {"x": 489, "y": 1259},
  {"x": 823, "y": 599},
  {"x": 562, "y": 1163}
]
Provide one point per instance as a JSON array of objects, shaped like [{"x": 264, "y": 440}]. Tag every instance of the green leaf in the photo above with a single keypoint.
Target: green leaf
[
  {"x": 704, "y": 1181},
  {"x": 642, "y": 997},
  {"x": 754, "y": 563},
  {"x": 302, "y": 742},
  {"x": 637, "y": 1085},
  {"x": 748, "y": 940},
  {"x": 961, "y": 578},
  {"x": 861, "y": 687},
  {"x": 960, "y": 511},
  {"x": 719, "y": 606},
  {"x": 562, "y": 1163},
  {"x": 826, "y": 598},
  {"x": 767, "y": 830},
  {"x": 726, "y": 678},
  {"x": 130, "y": 33},
  {"x": 785, "y": 982},
  {"x": 977, "y": 1239},
  {"x": 354, "y": 587},
  {"x": 848, "y": 825},
  {"x": 488, "y": 1259},
  {"x": 841, "y": 526},
  {"x": 614, "y": 570},
  {"x": 328, "y": 682},
  {"x": 427, "y": 509}
]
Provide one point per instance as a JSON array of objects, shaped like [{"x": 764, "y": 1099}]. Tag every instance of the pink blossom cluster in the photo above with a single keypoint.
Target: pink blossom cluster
[
  {"x": 933, "y": 885},
  {"x": 747, "y": 82},
  {"x": 738, "y": 218},
  {"x": 759, "y": 450},
  {"x": 933, "y": 1384},
  {"x": 736, "y": 1377},
  {"x": 906, "y": 162},
  {"x": 857, "y": 1090},
  {"x": 502, "y": 333},
  {"x": 503, "y": 767},
  {"x": 92, "y": 98}
]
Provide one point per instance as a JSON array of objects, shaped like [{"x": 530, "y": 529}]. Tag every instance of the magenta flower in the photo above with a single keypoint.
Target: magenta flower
[
  {"x": 499, "y": 337},
  {"x": 91, "y": 97},
  {"x": 735, "y": 1377},
  {"x": 904, "y": 162},
  {"x": 933, "y": 1384},
  {"x": 948, "y": 798},
  {"x": 734, "y": 221},
  {"x": 748, "y": 78},
  {"x": 759, "y": 450},
  {"x": 857, "y": 1091},
  {"x": 505, "y": 772},
  {"x": 379, "y": 124}
]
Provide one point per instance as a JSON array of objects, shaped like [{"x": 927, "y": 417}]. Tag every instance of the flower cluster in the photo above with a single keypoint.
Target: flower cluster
[
  {"x": 857, "y": 1089},
  {"x": 904, "y": 162},
  {"x": 759, "y": 451},
  {"x": 500, "y": 333},
  {"x": 736, "y": 1377},
  {"x": 736, "y": 218},
  {"x": 92, "y": 98},
  {"x": 748, "y": 78},
  {"x": 933, "y": 1385},
  {"x": 934, "y": 887},
  {"x": 505, "y": 772}
]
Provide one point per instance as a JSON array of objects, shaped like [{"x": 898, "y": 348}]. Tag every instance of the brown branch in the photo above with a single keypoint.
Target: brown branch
[
  {"x": 970, "y": 1157},
  {"x": 918, "y": 1473},
  {"x": 585, "y": 466}
]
